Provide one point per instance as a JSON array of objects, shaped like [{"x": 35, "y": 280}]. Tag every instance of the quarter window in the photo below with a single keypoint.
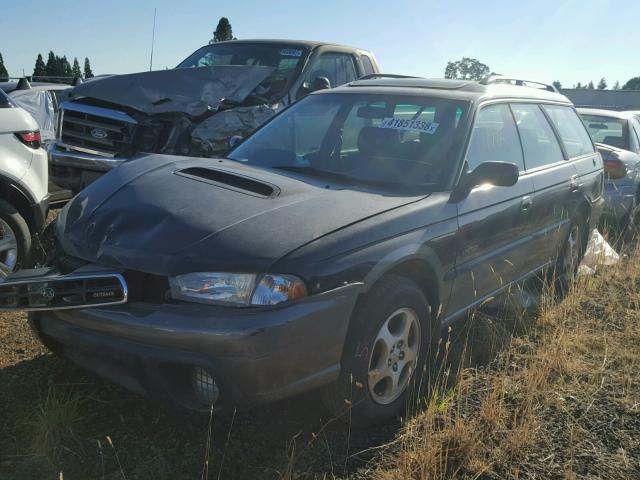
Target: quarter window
[
  {"x": 494, "y": 138},
  {"x": 539, "y": 143},
  {"x": 635, "y": 134},
  {"x": 573, "y": 133}
]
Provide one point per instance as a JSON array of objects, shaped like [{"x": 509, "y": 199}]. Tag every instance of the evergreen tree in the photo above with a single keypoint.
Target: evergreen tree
[
  {"x": 4, "y": 75},
  {"x": 223, "y": 31},
  {"x": 65, "y": 66},
  {"x": 632, "y": 84},
  {"x": 602, "y": 84},
  {"x": 87, "y": 69},
  {"x": 591, "y": 86},
  {"x": 578, "y": 86},
  {"x": 75, "y": 70},
  {"x": 616, "y": 86},
  {"x": 557, "y": 84},
  {"x": 51, "y": 68},
  {"x": 40, "y": 69}
]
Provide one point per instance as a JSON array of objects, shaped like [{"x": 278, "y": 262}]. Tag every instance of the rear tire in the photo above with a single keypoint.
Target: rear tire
[
  {"x": 15, "y": 240},
  {"x": 571, "y": 256},
  {"x": 390, "y": 334}
]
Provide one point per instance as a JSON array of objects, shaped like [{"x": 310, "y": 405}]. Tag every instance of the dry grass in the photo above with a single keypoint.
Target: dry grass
[{"x": 562, "y": 401}]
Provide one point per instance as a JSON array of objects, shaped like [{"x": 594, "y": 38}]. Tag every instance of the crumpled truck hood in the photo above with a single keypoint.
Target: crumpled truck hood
[
  {"x": 193, "y": 91},
  {"x": 152, "y": 215}
]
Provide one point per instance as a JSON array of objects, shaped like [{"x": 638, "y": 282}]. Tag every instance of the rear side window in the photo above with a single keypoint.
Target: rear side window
[
  {"x": 573, "y": 133},
  {"x": 494, "y": 138},
  {"x": 4, "y": 100},
  {"x": 539, "y": 143},
  {"x": 367, "y": 65}
]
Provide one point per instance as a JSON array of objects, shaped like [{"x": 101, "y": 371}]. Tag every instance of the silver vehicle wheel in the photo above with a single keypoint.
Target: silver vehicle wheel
[
  {"x": 8, "y": 249},
  {"x": 572, "y": 252},
  {"x": 394, "y": 356}
]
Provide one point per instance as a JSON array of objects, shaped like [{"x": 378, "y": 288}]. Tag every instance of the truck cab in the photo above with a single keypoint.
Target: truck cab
[{"x": 220, "y": 91}]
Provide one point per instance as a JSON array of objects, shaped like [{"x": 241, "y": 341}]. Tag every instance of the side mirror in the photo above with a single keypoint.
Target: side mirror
[
  {"x": 500, "y": 174},
  {"x": 320, "y": 83},
  {"x": 235, "y": 140}
]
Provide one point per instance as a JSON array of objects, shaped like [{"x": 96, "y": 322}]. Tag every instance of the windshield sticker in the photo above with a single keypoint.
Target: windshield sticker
[
  {"x": 410, "y": 125},
  {"x": 290, "y": 52}
]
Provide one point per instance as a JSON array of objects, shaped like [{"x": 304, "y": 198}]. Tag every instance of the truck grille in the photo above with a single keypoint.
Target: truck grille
[
  {"x": 96, "y": 129},
  {"x": 63, "y": 292}
]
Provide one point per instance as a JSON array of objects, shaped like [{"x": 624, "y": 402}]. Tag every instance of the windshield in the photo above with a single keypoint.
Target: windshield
[
  {"x": 362, "y": 138},
  {"x": 285, "y": 59},
  {"x": 607, "y": 130}
]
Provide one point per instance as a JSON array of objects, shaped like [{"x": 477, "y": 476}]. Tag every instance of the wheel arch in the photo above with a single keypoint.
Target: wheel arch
[{"x": 11, "y": 192}]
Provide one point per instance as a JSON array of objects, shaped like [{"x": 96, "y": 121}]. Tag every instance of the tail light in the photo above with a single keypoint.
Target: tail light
[
  {"x": 30, "y": 139},
  {"x": 614, "y": 168}
]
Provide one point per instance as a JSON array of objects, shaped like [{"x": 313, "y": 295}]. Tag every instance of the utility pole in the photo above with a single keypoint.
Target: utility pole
[{"x": 153, "y": 39}]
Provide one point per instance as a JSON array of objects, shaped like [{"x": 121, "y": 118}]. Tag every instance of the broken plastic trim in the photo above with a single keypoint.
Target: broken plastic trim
[{"x": 63, "y": 292}]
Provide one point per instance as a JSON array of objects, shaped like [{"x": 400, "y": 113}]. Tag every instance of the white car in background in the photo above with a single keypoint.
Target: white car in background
[{"x": 24, "y": 198}]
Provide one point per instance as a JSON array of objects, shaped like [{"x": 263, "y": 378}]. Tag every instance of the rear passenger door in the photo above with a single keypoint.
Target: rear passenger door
[
  {"x": 552, "y": 178},
  {"x": 578, "y": 148},
  {"x": 494, "y": 222}
]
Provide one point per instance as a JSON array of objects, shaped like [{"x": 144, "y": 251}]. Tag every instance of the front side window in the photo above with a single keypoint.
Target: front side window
[
  {"x": 494, "y": 138},
  {"x": 539, "y": 143},
  {"x": 338, "y": 68},
  {"x": 574, "y": 135},
  {"x": 361, "y": 138},
  {"x": 608, "y": 130},
  {"x": 285, "y": 60}
]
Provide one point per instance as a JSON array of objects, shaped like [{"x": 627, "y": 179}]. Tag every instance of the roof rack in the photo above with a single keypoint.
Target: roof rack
[
  {"x": 517, "y": 81},
  {"x": 384, "y": 75}
]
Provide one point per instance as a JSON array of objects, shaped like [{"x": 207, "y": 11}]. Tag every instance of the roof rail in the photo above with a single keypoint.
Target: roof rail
[
  {"x": 384, "y": 75},
  {"x": 489, "y": 79}
]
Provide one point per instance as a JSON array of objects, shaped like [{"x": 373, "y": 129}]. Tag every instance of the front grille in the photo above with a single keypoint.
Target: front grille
[
  {"x": 86, "y": 127},
  {"x": 63, "y": 292}
]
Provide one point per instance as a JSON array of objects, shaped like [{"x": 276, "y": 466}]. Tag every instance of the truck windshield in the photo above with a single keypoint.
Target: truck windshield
[
  {"x": 285, "y": 59},
  {"x": 361, "y": 138}
]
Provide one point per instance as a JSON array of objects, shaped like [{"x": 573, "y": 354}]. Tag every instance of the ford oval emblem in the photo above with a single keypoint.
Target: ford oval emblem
[
  {"x": 48, "y": 293},
  {"x": 99, "y": 133}
]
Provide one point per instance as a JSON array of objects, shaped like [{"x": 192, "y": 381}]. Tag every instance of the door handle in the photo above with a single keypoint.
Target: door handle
[
  {"x": 526, "y": 203},
  {"x": 575, "y": 186}
]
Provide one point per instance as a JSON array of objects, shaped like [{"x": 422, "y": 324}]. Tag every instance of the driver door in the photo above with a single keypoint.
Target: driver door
[{"x": 494, "y": 227}]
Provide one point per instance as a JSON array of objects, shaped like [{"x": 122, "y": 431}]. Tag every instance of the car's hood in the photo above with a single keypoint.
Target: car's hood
[
  {"x": 193, "y": 91},
  {"x": 158, "y": 215}
]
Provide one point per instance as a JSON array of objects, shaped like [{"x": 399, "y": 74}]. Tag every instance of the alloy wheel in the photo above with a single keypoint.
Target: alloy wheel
[
  {"x": 394, "y": 356},
  {"x": 8, "y": 249},
  {"x": 571, "y": 258}
]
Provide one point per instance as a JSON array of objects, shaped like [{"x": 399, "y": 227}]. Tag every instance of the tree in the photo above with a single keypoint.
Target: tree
[
  {"x": 87, "y": 69},
  {"x": 632, "y": 84},
  {"x": 578, "y": 86},
  {"x": 75, "y": 70},
  {"x": 39, "y": 70},
  {"x": 223, "y": 31},
  {"x": 4, "y": 75},
  {"x": 51, "y": 69},
  {"x": 466, "y": 69},
  {"x": 602, "y": 84},
  {"x": 616, "y": 86},
  {"x": 591, "y": 86},
  {"x": 557, "y": 84},
  {"x": 64, "y": 67}
]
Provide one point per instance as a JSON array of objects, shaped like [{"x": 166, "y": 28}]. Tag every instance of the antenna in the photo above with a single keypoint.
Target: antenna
[{"x": 153, "y": 39}]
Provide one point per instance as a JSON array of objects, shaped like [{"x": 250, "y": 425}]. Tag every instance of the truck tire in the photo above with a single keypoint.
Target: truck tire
[
  {"x": 15, "y": 239},
  {"x": 388, "y": 343}
]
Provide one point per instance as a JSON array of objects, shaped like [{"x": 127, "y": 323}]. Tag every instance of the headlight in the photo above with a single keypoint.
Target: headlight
[{"x": 240, "y": 289}]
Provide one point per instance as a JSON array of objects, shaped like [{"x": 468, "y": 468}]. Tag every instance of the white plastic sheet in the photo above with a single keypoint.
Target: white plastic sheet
[
  {"x": 39, "y": 104},
  {"x": 597, "y": 254}
]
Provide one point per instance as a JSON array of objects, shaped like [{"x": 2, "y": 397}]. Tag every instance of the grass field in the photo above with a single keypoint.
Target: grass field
[{"x": 553, "y": 393}]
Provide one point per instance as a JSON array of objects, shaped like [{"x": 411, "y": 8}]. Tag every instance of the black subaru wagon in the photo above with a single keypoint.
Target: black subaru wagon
[{"x": 326, "y": 251}]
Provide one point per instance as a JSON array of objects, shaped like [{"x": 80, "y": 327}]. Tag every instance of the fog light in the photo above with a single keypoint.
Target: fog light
[{"x": 205, "y": 386}]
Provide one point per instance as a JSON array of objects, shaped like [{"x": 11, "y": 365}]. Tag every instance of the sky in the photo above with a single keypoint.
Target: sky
[{"x": 567, "y": 40}]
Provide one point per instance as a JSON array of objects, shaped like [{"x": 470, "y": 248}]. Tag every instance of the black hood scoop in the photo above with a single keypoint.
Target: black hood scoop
[{"x": 232, "y": 181}]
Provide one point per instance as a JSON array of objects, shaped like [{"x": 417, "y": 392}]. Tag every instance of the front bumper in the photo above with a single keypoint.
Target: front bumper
[
  {"x": 255, "y": 355},
  {"x": 75, "y": 170}
]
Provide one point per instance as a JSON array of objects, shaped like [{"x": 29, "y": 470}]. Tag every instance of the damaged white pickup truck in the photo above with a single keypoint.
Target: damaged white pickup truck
[{"x": 223, "y": 90}]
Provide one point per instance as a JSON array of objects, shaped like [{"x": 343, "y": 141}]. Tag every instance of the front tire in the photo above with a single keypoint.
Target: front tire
[
  {"x": 15, "y": 240},
  {"x": 385, "y": 353}
]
